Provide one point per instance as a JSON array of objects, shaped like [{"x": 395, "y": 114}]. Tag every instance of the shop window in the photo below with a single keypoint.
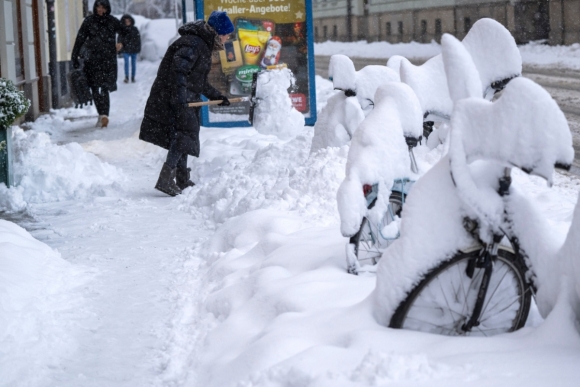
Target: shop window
[
  {"x": 325, "y": 32},
  {"x": 400, "y": 28},
  {"x": 388, "y": 29},
  {"x": 334, "y": 32}
]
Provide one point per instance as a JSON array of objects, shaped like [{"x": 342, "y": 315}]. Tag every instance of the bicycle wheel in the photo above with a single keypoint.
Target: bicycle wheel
[
  {"x": 368, "y": 243},
  {"x": 444, "y": 299}
]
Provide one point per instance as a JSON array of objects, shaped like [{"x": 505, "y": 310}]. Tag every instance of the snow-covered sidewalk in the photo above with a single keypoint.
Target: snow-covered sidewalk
[{"x": 240, "y": 281}]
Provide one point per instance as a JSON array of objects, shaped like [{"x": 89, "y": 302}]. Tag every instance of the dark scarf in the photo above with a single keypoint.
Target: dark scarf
[{"x": 217, "y": 42}]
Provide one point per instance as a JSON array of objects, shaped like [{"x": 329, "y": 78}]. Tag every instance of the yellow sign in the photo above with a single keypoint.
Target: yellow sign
[{"x": 279, "y": 11}]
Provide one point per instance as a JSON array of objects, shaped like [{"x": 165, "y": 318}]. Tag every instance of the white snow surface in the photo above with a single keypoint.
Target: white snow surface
[
  {"x": 46, "y": 172},
  {"x": 240, "y": 281},
  {"x": 463, "y": 78},
  {"x": 339, "y": 118},
  {"x": 534, "y": 54},
  {"x": 429, "y": 83},
  {"x": 494, "y": 51},
  {"x": 342, "y": 72}
]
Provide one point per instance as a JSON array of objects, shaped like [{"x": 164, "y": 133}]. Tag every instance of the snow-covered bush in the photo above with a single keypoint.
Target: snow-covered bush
[
  {"x": 13, "y": 103},
  {"x": 274, "y": 114}
]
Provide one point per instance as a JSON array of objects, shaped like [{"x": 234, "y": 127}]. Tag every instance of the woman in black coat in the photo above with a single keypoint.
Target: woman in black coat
[
  {"x": 96, "y": 40},
  {"x": 182, "y": 78},
  {"x": 130, "y": 39}
]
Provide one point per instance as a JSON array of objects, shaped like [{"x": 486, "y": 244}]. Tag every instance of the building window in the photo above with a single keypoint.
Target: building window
[
  {"x": 423, "y": 30},
  {"x": 466, "y": 24},
  {"x": 400, "y": 28},
  {"x": 334, "y": 32},
  {"x": 316, "y": 31},
  {"x": 438, "y": 29},
  {"x": 325, "y": 32},
  {"x": 388, "y": 30}
]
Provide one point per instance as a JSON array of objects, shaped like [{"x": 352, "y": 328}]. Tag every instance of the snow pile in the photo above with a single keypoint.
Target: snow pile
[
  {"x": 459, "y": 67},
  {"x": 342, "y": 73},
  {"x": 45, "y": 172},
  {"x": 569, "y": 260},
  {"x": 532, "y": 54},
  {"x": 274, "y": 114},
  {"x": 341, "y": 116},
  {"x": 363, "y": 49},
  {"x": 543, "y": 55},
  {"x": 525, "y": 128},
  {"x": 36, "y": 306},
  {"x": 337, "y": 122},
  {"x": 429, "y": 83},
  {"x": 379, "y": 153},
  {"x": 289, "y": 318},
  {"x": 268, "y": 173},
  {"x": 156, "y": 36},
  {"x": 494, "y": 52}
]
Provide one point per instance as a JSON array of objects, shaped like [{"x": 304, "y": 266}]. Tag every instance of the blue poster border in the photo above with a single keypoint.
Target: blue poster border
[{"x": 309, "y": 121}]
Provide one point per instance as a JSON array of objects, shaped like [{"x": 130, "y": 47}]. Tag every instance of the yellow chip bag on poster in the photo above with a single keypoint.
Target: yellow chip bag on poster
[{"x": 253, "y": 44}]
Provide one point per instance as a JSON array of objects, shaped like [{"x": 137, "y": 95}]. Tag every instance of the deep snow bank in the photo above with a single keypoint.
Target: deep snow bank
[
  {"x": 534, "y": 53},
  {"x": 46, "y": 172},
  {"x": 35, "y": 306},
  {"x": 267, "y": 174}
]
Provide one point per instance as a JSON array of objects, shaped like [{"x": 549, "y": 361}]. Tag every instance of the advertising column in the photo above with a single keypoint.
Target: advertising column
[{"x": 268, "y": 34}]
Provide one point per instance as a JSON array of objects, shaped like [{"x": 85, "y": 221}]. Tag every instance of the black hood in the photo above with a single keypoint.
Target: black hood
[
  {"x": 104, "y": 3},
  {"x": 125, "y": 17},
  {"x": 199, "y": 28}
]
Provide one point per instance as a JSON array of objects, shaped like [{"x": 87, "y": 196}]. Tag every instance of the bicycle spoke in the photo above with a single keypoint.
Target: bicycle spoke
[
  {"x": 507, "y": 270},
  {"x": 516, "y": 298},
  {"x": 446, "y": 301}
]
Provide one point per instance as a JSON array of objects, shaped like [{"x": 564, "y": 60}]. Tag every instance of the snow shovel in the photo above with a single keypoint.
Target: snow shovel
[
  {"x": 253, "y": 99},
  {"x": 218, "y": 101}
]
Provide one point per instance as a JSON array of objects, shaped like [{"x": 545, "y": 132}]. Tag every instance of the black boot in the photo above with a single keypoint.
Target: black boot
[
  {"x": 183, "y": 178},
  {"x": 166, "y": 182}
]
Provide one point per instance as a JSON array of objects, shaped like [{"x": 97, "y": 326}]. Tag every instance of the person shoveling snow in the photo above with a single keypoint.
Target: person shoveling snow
[{"x": 182, "y": 78}]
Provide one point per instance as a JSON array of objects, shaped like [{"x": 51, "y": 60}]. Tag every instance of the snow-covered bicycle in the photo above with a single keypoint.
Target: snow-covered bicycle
[
  {"x": 459, "y": 267},
  {"x": 382, "y": 163}
]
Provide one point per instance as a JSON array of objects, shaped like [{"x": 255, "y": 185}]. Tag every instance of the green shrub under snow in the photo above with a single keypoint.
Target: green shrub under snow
[{"x": 13, "y": 103}]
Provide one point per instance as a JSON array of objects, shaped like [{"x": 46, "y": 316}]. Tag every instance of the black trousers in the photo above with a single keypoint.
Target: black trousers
[
  {"x": 176, "y": 158},
  {"x": 102, "y": 100}
]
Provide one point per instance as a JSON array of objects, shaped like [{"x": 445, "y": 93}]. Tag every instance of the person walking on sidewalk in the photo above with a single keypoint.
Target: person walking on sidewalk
[
  {"x": 130, "y": 40},
  {"x": 96, "y": 41},
  {"x": 182, "y": 78}
]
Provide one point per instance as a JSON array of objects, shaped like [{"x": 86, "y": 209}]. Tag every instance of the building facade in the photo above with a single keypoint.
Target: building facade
[
  {"x": 32, "y": 57},
  {"x": 24, "y": 51},
  {"x": 555, "y": 21}
]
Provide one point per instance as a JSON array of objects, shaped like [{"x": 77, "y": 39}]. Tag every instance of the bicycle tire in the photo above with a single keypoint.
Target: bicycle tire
[
  {"x": 425, "y": 310},
  {"x": 367, "y": 243}
]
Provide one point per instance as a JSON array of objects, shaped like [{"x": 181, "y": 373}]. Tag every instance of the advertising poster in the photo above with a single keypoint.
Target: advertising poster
[{"x": 268, "y": 34}]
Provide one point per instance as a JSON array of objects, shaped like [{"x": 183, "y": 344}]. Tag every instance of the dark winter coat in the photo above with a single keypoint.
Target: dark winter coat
[
  {"x": 129, "y": 36},
  {"x": 181, "y": 78},
  {"x": 96, "y": 41}
]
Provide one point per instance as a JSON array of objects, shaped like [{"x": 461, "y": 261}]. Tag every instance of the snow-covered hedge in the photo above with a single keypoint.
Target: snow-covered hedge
[{"x": 13, "y": 103}]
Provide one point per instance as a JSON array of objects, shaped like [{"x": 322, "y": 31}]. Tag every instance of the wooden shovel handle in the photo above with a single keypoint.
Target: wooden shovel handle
[{"x": 217, "y": 102}]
